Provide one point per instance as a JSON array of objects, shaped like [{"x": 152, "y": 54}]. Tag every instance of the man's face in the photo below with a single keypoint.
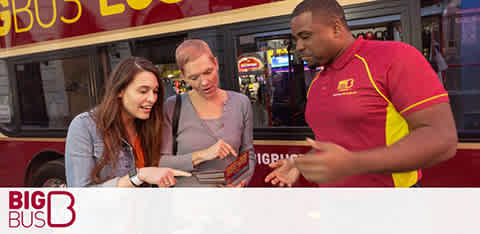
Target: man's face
[{"x": 316, "y": 41}]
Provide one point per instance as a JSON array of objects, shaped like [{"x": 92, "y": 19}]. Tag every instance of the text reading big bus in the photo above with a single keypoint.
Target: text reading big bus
[
  {"x": 12, "y": 9},
  {"x": 32, "y": 209}
]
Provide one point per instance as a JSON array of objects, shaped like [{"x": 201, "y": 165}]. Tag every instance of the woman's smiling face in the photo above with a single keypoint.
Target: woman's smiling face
[{"x": 140, "y": 95}]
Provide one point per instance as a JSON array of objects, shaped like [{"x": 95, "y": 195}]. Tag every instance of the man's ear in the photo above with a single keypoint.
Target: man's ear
[
  {"x": 120, "y": 95},
  {"x": 337, "y": 27}
]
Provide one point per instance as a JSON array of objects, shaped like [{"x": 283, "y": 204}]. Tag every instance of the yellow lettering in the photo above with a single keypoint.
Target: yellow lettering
[
  {"x": 75, "y": 19},
  {"x": 5, "y": 16},
  {"x": 139, "y": 4},
  {"x": 54, "y": 16},
  {"x": 344, "y": 85},
  {"x": 105, "y": 9},
  {"x": 15, "y": 13},
  {"x": 170, "y": 1}
]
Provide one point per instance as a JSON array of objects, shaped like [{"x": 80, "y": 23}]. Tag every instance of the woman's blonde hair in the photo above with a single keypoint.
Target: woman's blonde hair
[{"x": 190, "y": 50}]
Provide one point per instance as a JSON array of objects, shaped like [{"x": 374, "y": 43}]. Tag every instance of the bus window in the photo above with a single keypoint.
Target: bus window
[
  {"x": 53, "y": 92},
  {"x": 273, "y": 78},
  {"x": 5, "y": 105},
  {"x": 161, "y": 51},
  {"x": 384, "y": 28},
  {"x": 117, "y": 52},
  {"x": 276, "y": 79},
  {"x": 451, "y": 44}
]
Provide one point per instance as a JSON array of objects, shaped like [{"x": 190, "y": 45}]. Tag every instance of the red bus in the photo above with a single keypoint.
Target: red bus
[{"x": 55, "y": 56}]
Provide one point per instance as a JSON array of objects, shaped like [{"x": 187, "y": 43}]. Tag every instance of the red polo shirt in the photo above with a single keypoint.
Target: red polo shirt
[{"x": 361, "y": 99}]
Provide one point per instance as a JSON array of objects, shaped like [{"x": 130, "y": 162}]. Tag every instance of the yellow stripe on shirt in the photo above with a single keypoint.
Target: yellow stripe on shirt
[{"x": 423, "y": 101}]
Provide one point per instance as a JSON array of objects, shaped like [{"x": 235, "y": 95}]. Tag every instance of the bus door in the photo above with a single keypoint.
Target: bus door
[{"x": 450, "y": 36}]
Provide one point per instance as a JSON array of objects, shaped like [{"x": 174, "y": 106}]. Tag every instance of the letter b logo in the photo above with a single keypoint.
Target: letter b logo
[{"x": 64, "y": 210}]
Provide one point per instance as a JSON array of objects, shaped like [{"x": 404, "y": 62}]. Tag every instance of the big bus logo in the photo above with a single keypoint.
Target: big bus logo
[
  {"x": 31, "y": 12},
  {"x": 28, "y": 210}
]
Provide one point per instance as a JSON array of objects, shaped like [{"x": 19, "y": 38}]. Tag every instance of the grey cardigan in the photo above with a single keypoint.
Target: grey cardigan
[
  {"x": 84, "y": 147},
  {"x": 235, "y": 127}
]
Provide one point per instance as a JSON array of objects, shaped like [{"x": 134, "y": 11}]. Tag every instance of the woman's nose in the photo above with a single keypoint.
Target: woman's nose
[
  {"x": 152, "y": 97},
  {"x": 204, "y": 80}
]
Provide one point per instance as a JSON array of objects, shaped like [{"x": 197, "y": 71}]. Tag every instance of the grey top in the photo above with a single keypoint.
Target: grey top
[
  {"x": 84, "y": 147},
  {"x": 235, "y": 127}
]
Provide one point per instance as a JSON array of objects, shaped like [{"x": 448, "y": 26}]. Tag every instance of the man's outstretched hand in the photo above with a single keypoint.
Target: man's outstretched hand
[{"x": 284, "y": 174}]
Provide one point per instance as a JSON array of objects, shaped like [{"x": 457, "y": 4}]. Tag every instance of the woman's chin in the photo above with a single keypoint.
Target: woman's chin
[
  {"x": 209, "y": 94},
  {"x": 143, "y": 116}
]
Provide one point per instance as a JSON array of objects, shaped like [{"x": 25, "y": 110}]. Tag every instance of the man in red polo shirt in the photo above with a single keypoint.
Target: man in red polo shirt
[{"x": 378, "y": 111}]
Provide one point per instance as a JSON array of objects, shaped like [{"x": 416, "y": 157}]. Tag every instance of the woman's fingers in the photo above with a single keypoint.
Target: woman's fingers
[
  {"x": 163, "y": 177},
  {"x": 162, "y": 183},
  {"x": 241, "y": 184},
  {"x": 180, "y": 173},
  {"x": 230, "y": 150},
  {"x": 167, "y": 181},
  {"x": 223, "y": 152},
  {"x": 171, "y": 181},
  {"x": 221, "y": 149}
]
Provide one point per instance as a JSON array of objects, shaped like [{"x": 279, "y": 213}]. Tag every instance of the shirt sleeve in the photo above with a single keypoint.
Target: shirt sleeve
[
  {"x": 167, "y": 158},
  {"x": 411, "y": 82},
  {"x": 79, "y": 159},
  {"x": 247, "y": 140}
]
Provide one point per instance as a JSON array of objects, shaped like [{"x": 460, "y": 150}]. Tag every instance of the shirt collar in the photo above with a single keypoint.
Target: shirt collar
[{"x": 347, "y": 55}]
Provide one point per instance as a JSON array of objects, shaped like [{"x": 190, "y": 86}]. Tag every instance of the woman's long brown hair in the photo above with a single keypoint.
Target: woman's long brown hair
[{"x": 109, "y": 123}]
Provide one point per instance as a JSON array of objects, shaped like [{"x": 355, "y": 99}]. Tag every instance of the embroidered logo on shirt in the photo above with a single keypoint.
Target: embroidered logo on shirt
[{"x": 344, "y": 87}]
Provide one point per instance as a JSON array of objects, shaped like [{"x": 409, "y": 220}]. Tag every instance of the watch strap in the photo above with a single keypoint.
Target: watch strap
[{"x": 133, "y": 176}]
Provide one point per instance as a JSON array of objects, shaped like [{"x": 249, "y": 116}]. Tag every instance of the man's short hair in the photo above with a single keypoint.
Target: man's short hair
[
  {"x": 329, "y": 8},
  {"x": 190, "y": 50}
]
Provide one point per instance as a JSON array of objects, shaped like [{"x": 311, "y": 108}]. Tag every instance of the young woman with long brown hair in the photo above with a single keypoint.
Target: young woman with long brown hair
[{"x": 118, "y": 142}]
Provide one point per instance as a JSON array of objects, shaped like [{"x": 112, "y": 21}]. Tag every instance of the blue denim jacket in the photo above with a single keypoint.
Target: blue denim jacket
[{"x": 84, "y": 147}]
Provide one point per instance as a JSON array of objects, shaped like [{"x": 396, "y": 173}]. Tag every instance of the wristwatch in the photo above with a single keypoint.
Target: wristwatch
[{"x": 133, "y": 176}]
